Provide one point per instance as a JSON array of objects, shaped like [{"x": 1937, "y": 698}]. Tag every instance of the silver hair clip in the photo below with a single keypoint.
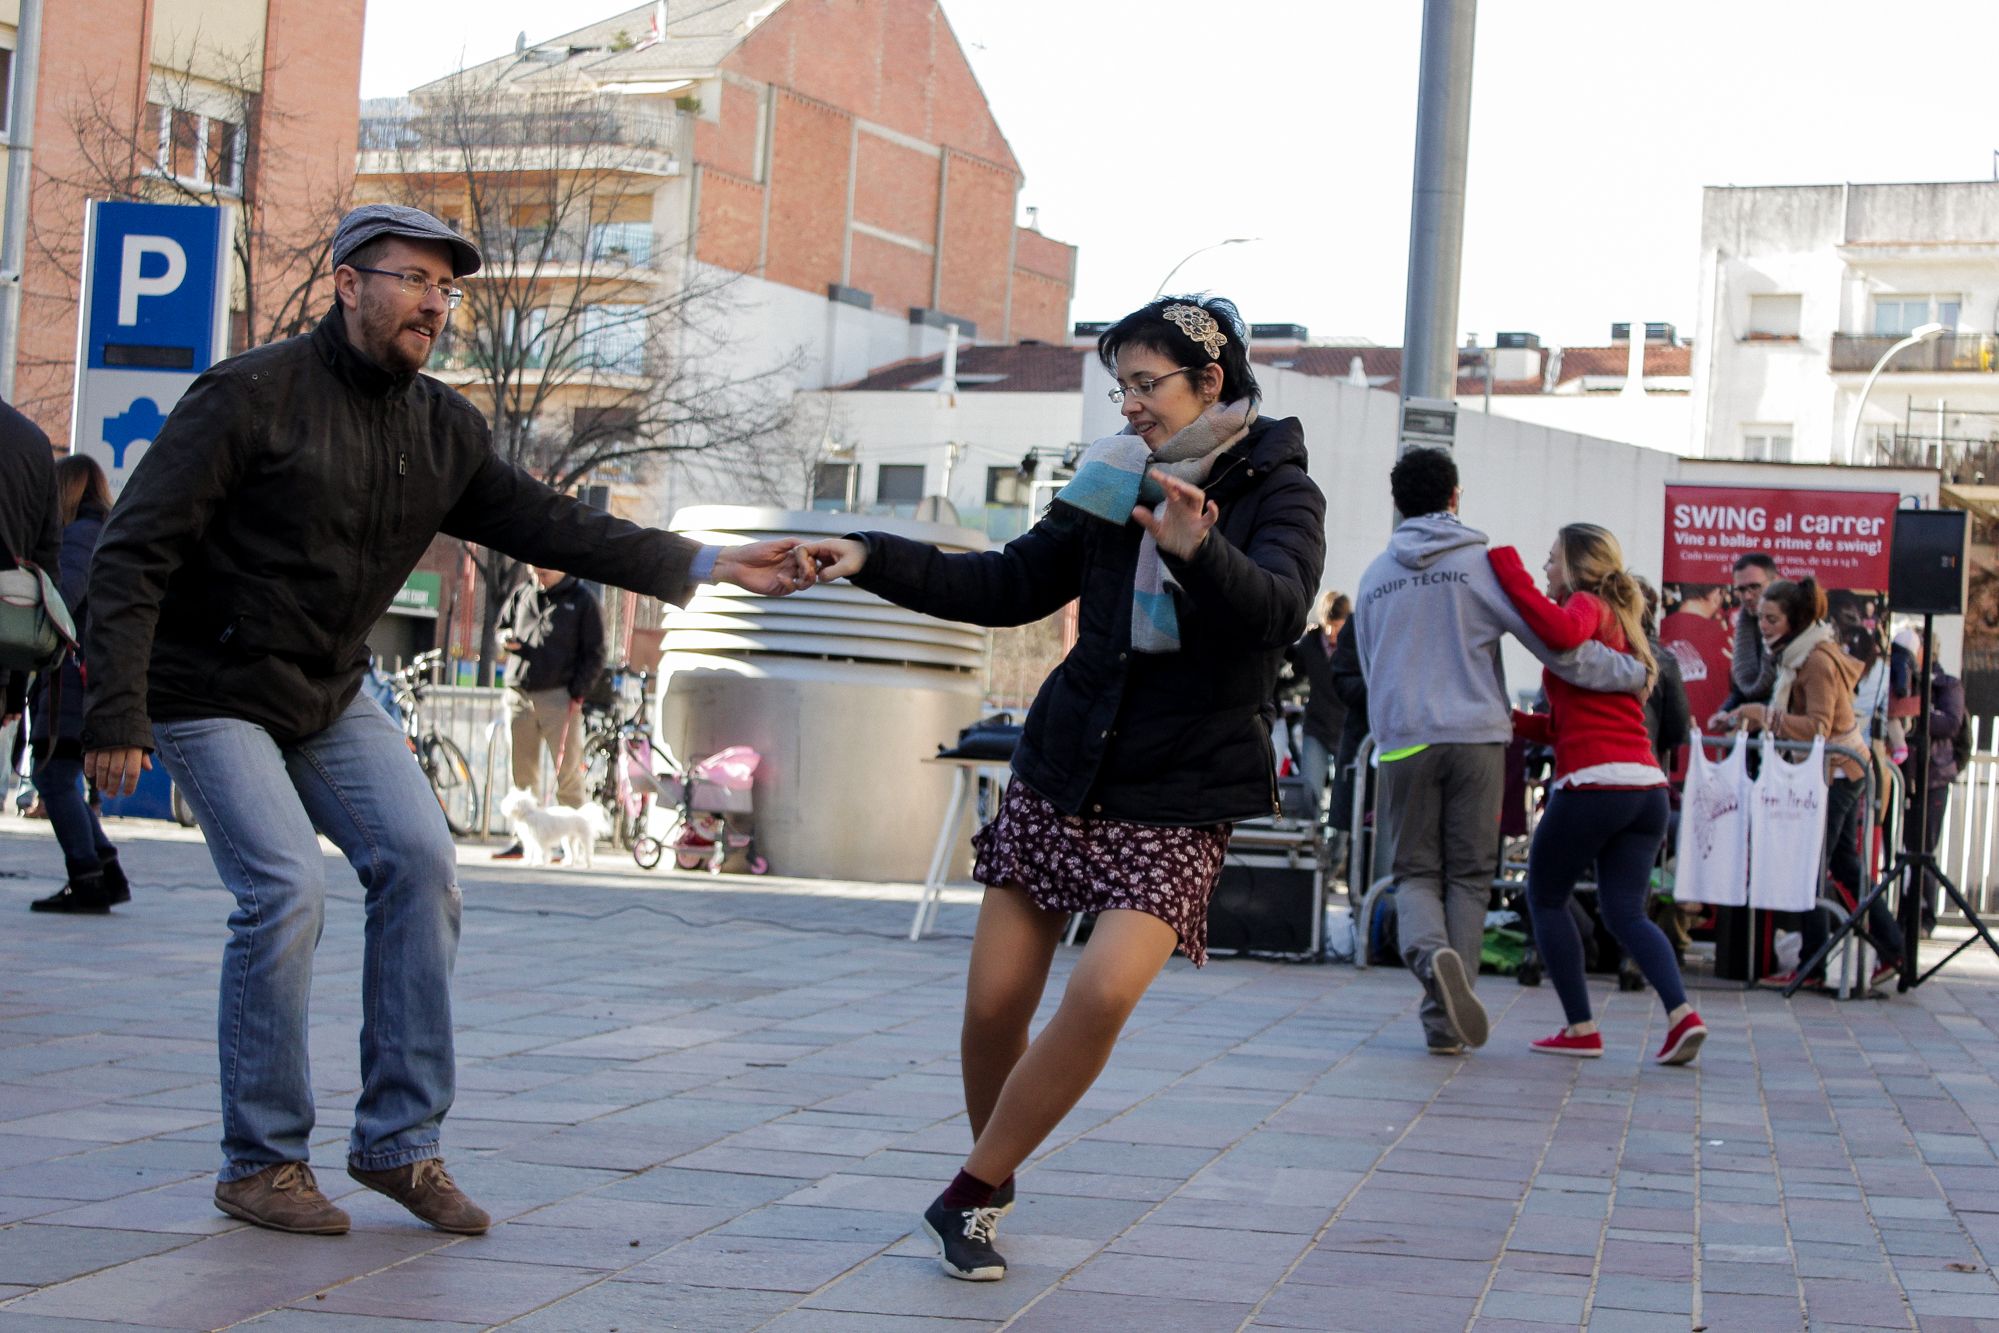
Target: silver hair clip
[{"x": 1200, "y": 327}]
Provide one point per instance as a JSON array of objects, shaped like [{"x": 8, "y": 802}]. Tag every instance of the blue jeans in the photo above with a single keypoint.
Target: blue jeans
[
  {"x": 258, "y": 802},
  {"x": 59, "y": 781}
]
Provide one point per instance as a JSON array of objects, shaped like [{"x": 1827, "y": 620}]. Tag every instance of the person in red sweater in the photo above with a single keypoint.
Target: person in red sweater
[{"x": 1608, "y": 804}]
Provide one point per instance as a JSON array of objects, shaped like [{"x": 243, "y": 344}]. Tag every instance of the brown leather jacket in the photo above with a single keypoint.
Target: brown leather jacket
[{"x": 1821, "y": 704}]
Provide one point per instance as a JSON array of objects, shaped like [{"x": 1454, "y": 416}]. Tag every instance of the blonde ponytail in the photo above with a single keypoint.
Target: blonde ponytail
[{"x": 1595, "y": 565}]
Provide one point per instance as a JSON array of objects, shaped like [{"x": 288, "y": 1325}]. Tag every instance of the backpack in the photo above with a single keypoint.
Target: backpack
[{"x": 35, "y": 625}]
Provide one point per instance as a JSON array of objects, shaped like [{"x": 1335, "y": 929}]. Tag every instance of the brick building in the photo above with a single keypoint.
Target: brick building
[{"x": 245, "y": 103}]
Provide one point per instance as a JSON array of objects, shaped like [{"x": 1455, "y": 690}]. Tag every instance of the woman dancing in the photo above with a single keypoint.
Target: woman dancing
[
  {"x": 1192, "y": 543},
  {"x": 1608, "y": 806}
]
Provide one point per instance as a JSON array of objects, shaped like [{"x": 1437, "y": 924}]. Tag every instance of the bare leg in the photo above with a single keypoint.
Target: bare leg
[
  {"x": 1011, "y": 950},
  {"x": 1125, "y": 952}
]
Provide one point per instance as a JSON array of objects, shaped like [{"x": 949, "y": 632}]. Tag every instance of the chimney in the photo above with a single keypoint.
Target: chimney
[
  {"x": 1634, "y": 366},
  {"x": 948, "y": 384}
]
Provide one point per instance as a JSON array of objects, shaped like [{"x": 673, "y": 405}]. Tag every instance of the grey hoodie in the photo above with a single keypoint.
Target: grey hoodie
[{"x": 1429, "y": 614}]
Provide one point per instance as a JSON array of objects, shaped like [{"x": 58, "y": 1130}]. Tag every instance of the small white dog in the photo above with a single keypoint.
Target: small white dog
[{"x": 544, "y": 830}]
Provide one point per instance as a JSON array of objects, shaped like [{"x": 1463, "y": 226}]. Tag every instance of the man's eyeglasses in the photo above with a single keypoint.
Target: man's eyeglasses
[
  {"x": 415, "y": 284},
  {"x": 1143, "y": 387}
]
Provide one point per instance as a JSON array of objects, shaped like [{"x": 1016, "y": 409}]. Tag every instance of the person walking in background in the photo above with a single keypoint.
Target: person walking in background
[
  {"x": 1311, "y": 658},
  {"x": 1191, "y": 543},
  {"x": 269, "y": 525},
  {"x": 1608, "y": 804},
  {"x": 1350, "y": 684},
  {"x": 554, "y": 626},
  {"x": 30, "y": 523},
  {"x": 1812, "y": 691},
  {"x": 1948, "y": 750},
  {"x": 96, "y": 881},
  {"x": 1429, "y": 618},
  {"x": 1752, "y": 670}
]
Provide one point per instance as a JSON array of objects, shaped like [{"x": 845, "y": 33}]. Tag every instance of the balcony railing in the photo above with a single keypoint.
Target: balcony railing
[
  {"x": 401, "y": 125},
  {"x": 1950, "y": 353},
  {"x": 607, "y": 245}
]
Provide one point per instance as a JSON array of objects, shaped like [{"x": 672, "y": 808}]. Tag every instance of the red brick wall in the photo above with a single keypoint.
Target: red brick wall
[
  {"x": 897, "y": 276},
  {"x": 896, "y": 188},
  {"x": 93, "y": 63},
  {"x": 1040, "y": 308},
  {"x": 304, "y": 171},
  {"x": 808, "y": 199},
  {"x": 1040, "y": 254},
  {"x": 731, "y": 227},
  {"x": 978, "y": 236},
  {"x": 894, "y": 64}
]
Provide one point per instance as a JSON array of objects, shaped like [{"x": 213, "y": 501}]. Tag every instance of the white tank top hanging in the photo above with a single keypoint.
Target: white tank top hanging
[
  {"x": 1712, "y": 862},
  {"x": 1787, "y": 830}
]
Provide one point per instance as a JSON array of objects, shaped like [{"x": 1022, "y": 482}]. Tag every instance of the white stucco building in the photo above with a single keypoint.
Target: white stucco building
[{"x": 1803, "y": 288}]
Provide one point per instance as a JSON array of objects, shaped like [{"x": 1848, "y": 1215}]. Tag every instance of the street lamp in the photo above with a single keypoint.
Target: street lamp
[
  {"x": 1922, "y": 333},
  {"x": 1233, "y": 240}
]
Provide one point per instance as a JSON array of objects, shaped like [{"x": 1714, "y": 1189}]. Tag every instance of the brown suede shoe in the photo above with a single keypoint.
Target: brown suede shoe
[
  {"x": 427, "y": 1189},
  {"x": 284, "y": 1197}
]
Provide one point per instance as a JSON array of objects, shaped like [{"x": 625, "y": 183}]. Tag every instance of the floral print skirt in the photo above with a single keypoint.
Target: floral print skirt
[{"x": 1067, "y": 863}]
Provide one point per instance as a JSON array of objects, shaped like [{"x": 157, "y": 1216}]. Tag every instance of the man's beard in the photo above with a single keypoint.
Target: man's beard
[{"x": 381, "y": 342}]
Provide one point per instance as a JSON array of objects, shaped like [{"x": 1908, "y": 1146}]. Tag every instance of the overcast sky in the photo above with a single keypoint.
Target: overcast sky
[{"x": 1147, "y": 130}]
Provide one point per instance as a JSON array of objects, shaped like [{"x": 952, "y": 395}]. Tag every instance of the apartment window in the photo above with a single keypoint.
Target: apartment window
[
  {"x": 203, "y": 151},
  {"x": 613, "y": 338},
  {"x": 1901, "y": 313},
  {"x": 1774, "y": 315},
  {"x": 605, "y": 425},
  {"x": 6, "y": 91},
  {"x": 1006, "y": 486},
  {"x": 899, "y": 485},
  {"x": 621, "y": 243},
  {"x": 832, "y": 483},
  {"x": 1766, "y": 444}
]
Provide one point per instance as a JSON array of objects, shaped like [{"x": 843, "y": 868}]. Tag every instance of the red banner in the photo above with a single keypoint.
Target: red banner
[{"x": 1840, "y": 538}]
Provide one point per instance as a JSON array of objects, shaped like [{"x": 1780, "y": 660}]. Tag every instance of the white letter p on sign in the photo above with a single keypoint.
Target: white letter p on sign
[{"x": 131, "y": 286}]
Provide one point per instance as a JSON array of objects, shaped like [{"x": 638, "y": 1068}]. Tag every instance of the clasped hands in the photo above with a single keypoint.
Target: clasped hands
[{"x": 1179, "y": 525}]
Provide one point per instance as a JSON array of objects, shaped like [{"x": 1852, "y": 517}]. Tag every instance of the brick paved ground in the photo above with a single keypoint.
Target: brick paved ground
[{"x": 722, "y": 1110}]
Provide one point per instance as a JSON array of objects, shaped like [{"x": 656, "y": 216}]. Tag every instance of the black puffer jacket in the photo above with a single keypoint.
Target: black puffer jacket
[
  {"x": 1170, "y": 738},
  {"x": 272, "y": 522},
  {"x": 59, "y": 693},
  {"x": 30, "y": 526}
]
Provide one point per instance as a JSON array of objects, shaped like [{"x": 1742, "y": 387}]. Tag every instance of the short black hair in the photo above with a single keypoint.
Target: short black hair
[
  {"x": 1423, "y": 481},
  {"x": 1757, "y": 560},
  {"x": 1149, "y": 328}
]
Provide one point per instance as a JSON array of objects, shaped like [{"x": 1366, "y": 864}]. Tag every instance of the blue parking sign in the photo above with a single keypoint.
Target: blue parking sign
[{"x": 154, "y": 316}]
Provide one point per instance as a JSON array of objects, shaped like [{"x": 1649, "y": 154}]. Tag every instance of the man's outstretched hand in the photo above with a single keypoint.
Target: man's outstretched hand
[{"x": 773, "y": 568}]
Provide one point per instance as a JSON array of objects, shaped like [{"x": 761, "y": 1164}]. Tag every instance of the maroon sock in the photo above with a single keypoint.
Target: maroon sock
[{"x": 967, "y": 1191}]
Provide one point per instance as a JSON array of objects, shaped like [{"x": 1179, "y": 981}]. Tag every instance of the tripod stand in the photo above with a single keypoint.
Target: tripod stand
[{"x": 1909, "y": 864}]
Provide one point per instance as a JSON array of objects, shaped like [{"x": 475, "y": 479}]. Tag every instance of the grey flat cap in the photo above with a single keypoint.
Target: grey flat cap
[{"x": 372, "y": 221}]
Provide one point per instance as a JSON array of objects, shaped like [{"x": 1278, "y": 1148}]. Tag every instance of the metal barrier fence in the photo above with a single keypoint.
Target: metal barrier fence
[
  {"x": 474, "y": 718},
  {"x": 1968, "y": 842}
]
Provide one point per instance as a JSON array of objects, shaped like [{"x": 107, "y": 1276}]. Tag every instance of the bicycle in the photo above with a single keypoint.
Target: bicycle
[
  {"x": 444, "y": 764},
  {"x": 621, "y": 773}
]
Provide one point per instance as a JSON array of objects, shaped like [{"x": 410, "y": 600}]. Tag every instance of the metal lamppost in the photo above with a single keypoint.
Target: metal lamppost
[
  {"x": 1233, "y": 240},
  {"x": 1922, "y": 333}
]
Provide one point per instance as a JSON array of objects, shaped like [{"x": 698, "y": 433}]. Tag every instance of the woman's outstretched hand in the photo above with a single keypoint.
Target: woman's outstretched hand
[
  {"x": 838, "y": 557},
  {"x": 1180, "y": 524}
]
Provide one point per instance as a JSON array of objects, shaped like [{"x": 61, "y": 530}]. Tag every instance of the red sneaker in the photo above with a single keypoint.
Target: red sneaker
[
  {"x": 1779, "y": 980},
  {"x": 1582, "y": 1048},
  {"x": 1683, "y": 1043},
  {"x": 1884, "y": 971}
]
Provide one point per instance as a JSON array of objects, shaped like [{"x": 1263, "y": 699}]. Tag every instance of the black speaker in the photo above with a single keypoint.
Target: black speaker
[
  {"x": 1266, "y": 904},
  {"x": 1926, "y": 564}
]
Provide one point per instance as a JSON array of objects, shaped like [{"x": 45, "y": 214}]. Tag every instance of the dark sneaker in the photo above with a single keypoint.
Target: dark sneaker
[
  {"x": 83, "y": 895},
  {"x": 513, "y": 851},
  {"x": 284, "y": 1197},
  {"x": 427, "y": 1189},
  {"x": 1445, "y": 1046},
  {"x": 1467, "y": 1015},
  {"x": 964, "y": 1239}
]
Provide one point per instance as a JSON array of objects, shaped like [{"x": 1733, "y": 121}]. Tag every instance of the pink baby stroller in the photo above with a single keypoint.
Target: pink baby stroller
[{"x": 717, "y": 813}]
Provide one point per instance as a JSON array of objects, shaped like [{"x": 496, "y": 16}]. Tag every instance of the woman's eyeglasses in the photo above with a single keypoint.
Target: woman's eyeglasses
[{"x": 1143, "y": 387}]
